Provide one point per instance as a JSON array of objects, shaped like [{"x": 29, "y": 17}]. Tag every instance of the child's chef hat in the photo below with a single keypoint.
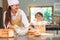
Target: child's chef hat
[{"x": 12, "y": 2}]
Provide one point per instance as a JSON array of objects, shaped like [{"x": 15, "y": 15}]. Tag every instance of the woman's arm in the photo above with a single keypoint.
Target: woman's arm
[
  {"x": 8, "y": 25},
  {"x": 24, "y": 20},
  {"x": 4, "y": 14}
]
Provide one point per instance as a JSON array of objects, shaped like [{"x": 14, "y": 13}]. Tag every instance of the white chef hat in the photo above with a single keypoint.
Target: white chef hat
[{"x": 12, "y": 2}]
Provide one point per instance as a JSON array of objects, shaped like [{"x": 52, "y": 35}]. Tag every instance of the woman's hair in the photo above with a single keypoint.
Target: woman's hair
[
  {"x": 39, "y": 14},
  {"x": 8, "y": 15}
]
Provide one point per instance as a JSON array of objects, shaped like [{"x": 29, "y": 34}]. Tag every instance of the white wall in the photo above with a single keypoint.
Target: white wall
[
  {"x": 24, "y": 4},
  {"x": 0, "y": 3}
]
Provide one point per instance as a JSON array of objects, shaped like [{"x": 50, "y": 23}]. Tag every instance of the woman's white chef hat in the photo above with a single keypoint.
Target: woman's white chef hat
[{"x": 12, "y": 2}]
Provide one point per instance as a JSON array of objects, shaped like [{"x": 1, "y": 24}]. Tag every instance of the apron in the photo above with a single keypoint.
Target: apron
[
  {"x": 41, "y": 27},
  {"x": 18, "y": 22}
]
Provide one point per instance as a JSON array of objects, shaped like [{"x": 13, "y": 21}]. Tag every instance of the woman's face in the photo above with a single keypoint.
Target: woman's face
[
  {"x": 15, "y": 7},
  {"x": 39, "y": 17}
]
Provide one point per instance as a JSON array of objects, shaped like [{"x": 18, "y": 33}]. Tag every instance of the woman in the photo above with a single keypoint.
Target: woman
[
  {"x": 39, "y": 23},
  {"x": 15, "y": 18}
]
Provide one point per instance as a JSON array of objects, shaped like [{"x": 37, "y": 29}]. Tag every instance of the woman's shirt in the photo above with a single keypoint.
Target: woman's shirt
[{"x": 24, "y": 20}]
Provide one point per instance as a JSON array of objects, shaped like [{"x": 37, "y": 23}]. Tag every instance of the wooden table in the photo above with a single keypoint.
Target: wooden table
[
  {"x": 33, "y": 38},
  {"x": 30, "y": 37},
  {"x": 6, "y": 38}
]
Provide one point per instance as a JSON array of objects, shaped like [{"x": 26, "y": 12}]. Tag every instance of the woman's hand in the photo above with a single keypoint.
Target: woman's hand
[
  {"x": 10, "y": 27},
  {"x": 30, "y": 27}
]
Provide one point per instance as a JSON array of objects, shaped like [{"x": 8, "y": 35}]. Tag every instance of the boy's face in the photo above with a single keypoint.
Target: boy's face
[{"x": 39, "y": 17}]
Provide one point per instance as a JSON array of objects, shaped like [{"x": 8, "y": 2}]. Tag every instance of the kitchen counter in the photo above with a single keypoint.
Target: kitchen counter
[
  {"x": 43, "y": 36},
  {"x": 33, "y": 38}
]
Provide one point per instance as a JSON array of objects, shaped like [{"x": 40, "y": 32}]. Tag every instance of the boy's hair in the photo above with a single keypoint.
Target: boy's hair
[{"x": 39, "y": 14}]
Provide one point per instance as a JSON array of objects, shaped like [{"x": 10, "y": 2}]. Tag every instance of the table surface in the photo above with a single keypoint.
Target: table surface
[
  {"x": 35, "y": 37},
  {"x": 31, "y": 37}
]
